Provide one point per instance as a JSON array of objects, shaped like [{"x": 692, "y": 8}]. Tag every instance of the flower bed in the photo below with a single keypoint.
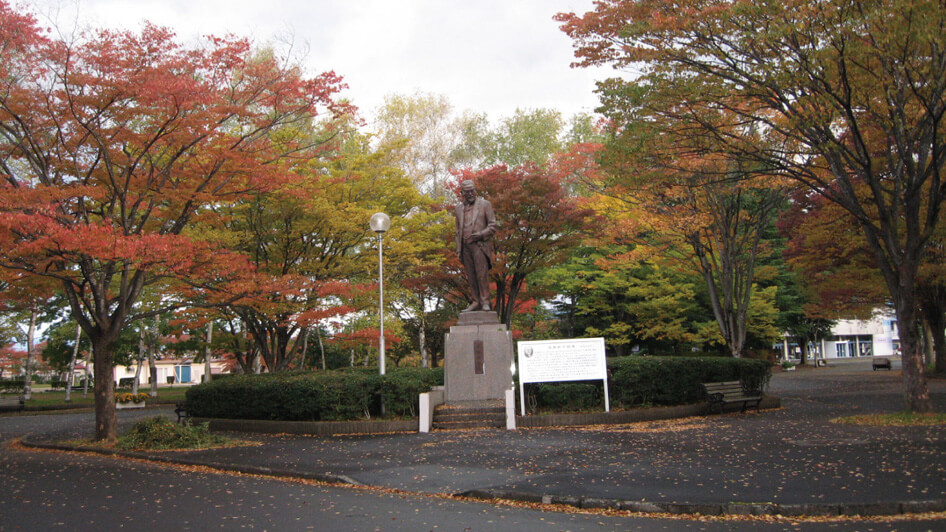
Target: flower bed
[{"x": 130, "y": 400}]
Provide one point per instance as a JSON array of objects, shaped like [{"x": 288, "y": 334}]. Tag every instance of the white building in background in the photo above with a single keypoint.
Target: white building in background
[
  {"x": 172, "y": 371},
  {"x": 877, "y": 336}
]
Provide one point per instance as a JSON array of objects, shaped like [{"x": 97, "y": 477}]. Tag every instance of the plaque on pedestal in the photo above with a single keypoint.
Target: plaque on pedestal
[{"x": 478, "y": 355}]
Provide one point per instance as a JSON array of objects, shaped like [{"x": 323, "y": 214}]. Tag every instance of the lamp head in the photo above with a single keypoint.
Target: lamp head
[{"x": 380, "y": 222}]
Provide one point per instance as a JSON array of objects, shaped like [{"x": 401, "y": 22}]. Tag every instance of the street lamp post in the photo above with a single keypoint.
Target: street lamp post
[{"x": 380, "y": 223}]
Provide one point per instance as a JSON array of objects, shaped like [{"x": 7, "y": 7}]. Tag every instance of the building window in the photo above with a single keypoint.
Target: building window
[
  {"x": 867, "y": 346},
  {"x": 841, "y": 349}
]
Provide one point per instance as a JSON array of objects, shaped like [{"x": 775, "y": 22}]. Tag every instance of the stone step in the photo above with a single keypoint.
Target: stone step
[
  {"x": 455, "y": 414},
  {"x": 473, "y": 415},
  {"x": 469, "y": 423},
  {"x": 466, "y": 425},
  {"x": 473, "y": 406}
]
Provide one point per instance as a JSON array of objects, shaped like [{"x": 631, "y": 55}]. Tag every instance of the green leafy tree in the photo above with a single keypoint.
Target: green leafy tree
[
  {"x": 422, "y": 132},
  {"x": 528, "y": 136},
  {"x": 420, "y": 283},
  {"x": 605, "y": 292},
  {"x": 311, "y": 242}
]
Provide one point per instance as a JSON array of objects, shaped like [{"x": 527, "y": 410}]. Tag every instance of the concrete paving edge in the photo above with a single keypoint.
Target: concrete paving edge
[
  {"x": 730, "y": 508},
  {"x": 316, "y": 428},
  {"x": 230, "y": 467}
]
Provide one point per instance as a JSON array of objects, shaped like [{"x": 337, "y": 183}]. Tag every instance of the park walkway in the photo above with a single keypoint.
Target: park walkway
[{"x": 792, "y": 460}]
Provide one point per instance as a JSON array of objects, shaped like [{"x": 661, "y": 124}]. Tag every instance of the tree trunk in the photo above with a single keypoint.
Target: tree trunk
[
  {"x": 106, "y": 418},
  {"x": 939, "y": 344},
  {"x": 933, "y": 305},
  {"x": 318, "y": 330},
  {"x": 916, "y": 392},
  {"x": 508, "y": 310},
  {"x": 926, "y": 340},
  {"x": 152, "y": 371},
  {"x": 30, "y": 341},
  {"x": 72, "y": 364},
  {"x": 422, "y": 342},
  {"x": 305, "y": 346},
  {"x": 141, "y": 359},
  {"x": 85, "y": 381},
  {"x": 207, "y": 352}
]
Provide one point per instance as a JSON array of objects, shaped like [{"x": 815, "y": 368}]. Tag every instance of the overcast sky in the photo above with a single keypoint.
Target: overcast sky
[{"x": 491, "y": 56}]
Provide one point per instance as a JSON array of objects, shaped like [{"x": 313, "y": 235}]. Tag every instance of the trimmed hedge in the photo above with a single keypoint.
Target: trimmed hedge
[
  {"x": 635, "y": 381},
  {"x": 357, "y": 393},
  {"x": 16, "y": 385},
  {"x": 330, "y": 396}
]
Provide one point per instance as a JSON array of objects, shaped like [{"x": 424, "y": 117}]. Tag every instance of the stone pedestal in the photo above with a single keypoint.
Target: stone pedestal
[{"x": 478, "y": 359}]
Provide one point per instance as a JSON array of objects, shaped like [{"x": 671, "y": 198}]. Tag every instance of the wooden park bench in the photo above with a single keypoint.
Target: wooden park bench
[
  {"x": 181, "y": 410},
  {"x": 730, "y": 392},
  {"x": 881, "y": 363},
  {"x": 11, "y": 403}
]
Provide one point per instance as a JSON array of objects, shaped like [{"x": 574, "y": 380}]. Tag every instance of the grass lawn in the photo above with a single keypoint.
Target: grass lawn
[
  {"x": 901, "y": 419},
  {"x": 47, "y": 399}
]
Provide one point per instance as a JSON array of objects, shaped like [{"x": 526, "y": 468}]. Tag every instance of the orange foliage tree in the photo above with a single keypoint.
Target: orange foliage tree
[
  {"x": 114, "y": 144},
  {"x": 683, "y": 201},
  {"x": 827, "y": 250},
  {"x": 844, "y": 91},
  {"x": 841, "y": 274}
]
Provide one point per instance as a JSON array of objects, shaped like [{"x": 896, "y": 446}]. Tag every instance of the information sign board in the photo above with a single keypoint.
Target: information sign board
[{"x": 578, "y": 359}]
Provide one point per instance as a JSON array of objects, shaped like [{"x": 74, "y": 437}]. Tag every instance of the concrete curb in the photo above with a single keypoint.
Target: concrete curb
[
  {"x": 730, "y": 508},
  {"x": 235, "y": 468},
  {"x": 316, "y": 428}
]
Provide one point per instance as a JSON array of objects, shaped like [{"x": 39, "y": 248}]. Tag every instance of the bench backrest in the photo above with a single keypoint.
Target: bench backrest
[{"x": 728, "y": 388}]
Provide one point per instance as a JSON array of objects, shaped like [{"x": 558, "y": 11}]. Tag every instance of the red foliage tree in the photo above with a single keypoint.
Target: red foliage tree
[
  {"x": 11, "y": 361},
  {"x": 539, "y": 220},
  {"x": 113, "y": 146}
]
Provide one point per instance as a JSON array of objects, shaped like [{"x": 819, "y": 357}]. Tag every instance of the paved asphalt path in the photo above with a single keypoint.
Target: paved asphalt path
[
  {"x": 793, "y": 454},
  {"x": 85, "y": 492}
]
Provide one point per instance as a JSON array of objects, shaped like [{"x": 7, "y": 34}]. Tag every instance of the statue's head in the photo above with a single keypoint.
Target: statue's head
[{"x": 468, "y": 191}]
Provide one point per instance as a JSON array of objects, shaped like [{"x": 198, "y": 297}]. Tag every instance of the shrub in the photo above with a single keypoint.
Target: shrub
[
  {"x": 314, "y": 396},
  {"x": 635, "y": 381},
  {"x": 676, "y": 380},
  {"x": 161, "y": 433},
  {"x": 567, "y": 396},
  {"x": 16, "y": 385}
]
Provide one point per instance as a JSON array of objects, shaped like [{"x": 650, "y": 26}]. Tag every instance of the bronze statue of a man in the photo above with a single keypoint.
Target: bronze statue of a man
[{"x": 476, "y": 224}]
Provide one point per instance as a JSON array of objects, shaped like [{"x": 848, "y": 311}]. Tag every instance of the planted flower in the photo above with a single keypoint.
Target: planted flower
[
  {"x": 137, "y": 398},
  {"x": 124, "y": 398}
]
